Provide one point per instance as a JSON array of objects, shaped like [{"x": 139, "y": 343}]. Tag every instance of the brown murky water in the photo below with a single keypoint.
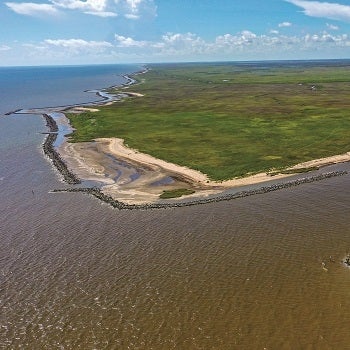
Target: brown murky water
[{"x": 243, "y": 274}]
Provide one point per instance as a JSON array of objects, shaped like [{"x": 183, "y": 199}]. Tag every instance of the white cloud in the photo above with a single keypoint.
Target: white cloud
[
  {"x": 248, "y": 39},
  {"x": 332, "y": 26},
  {"x": 341, "y": 40},
  {"x": 88, "y": 5},
  {"x": 78, "y": 46},
  {"x": 134, "y": 4},
  {"x": 182, "y": 44},
  {"x": 170, "y": 45},
  {"x": 103, "y": 14},
  {"x": 323, "y": 9},
  {"x": 274, "y": 31},
  {"x": 131, "y": 9},
  {"x": 60, "y": 51},
  {"x": 243, "y": 38},
  {"x": 131, "y": 16},
  {"x": 284, "y": 24},
  {"x": 35, "y": 47},
  {"x": 179, "y": 38},
  {"x": 123, "y": 41},
  {"x": 135, "y": 9},
  {"x": 32, "y": 9},
  {"x": 244, "y": 45},
  {"x": 5, "y": 48}
]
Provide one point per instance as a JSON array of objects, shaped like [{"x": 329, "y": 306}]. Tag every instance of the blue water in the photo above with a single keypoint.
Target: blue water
[{"x": 29, "y": 87}]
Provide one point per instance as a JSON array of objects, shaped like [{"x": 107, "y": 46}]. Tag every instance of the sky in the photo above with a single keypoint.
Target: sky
[{"x": 70, "y": 32}]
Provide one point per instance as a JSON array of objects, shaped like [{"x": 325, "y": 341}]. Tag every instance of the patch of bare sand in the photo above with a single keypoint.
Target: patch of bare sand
[
  {"x": 136, "y": 94},
  {"x": 340, "y": 158},
  {"x": 117, "y": 147},
  {"x": 82, "y": 109},
  {"x": 194, "y": 177},
  {"x": 129, "y": 179},
  {"x": 86, "y": 160}
]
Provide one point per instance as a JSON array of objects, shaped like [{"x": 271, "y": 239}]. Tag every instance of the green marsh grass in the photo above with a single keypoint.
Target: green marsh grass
[
  {"x": 229, "y": 120},
  {"x": 176, "y": 193}
]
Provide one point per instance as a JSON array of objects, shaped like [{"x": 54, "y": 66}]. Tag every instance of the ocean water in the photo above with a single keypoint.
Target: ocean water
[
  {"x": 261, "y": 272},
  {"x": 28, "y": 87}
]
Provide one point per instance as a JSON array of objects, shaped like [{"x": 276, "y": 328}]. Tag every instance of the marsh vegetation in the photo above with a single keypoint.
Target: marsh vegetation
[{"x": 230, "y": 120}]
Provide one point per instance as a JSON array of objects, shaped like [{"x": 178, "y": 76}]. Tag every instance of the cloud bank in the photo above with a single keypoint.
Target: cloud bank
[{"x": 244, "y": 45}]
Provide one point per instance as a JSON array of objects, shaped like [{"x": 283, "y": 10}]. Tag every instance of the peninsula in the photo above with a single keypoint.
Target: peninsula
[{"x": 200, "y": 129}]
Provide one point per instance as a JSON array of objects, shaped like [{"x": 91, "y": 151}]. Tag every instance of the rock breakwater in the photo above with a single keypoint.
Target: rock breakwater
[
  {"x": 96, "y": 192},
  {"x": 53, "y": 155}
]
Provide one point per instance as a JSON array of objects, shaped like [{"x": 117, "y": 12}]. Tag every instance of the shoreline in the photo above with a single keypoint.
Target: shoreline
[
  {"x": 118, "y": 148},
  {"x": 129, "y": 179}
]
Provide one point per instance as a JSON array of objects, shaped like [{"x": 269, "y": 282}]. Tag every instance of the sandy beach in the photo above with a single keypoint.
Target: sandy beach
[{"x": 133, "y": 177}]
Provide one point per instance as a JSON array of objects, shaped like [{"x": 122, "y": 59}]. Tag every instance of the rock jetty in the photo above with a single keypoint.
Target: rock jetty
[{"x": 50, "y": 152}]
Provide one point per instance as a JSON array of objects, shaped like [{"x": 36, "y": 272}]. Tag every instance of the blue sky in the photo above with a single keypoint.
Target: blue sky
[{"x": 41, "y": 32}]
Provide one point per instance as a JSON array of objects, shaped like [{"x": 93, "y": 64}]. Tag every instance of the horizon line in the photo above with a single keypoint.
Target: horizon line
[{"x": 176, "y": 62}]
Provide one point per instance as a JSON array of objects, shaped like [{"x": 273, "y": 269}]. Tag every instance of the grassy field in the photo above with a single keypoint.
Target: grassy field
[
  {"x": 231, "y": 120},
  {"x": 176, "y": 193}
]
